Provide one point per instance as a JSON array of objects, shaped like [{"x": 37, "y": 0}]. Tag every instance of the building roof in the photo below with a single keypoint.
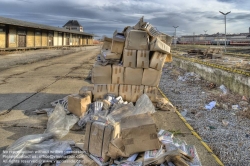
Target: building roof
[
  {"x": 21, "y": 23},
  {"x": 72, "y": 23}
]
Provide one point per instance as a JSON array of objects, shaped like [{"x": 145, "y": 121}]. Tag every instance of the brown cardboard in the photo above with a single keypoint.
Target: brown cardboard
[
  {"x": 113, "y": 89},
  {"x": 107, "y": 39},
  {"x": 107, "y": 54},
  {"x": 137, "y": 91},
  {"x": 97, "y": 138},
  {"x": 116, "y": 149},
  {"x": 158, "y": 45},
  {"x": 118, "y": 43},
  {"x": 133, "y": 76},
  {"x": 152, "y": 92},
  {"x": 139, "y": 134},
  {"x": 166, "y": 39},
  {"x": 101, "y": 74},
  {"x": 106, "y": 45},
  {"x": 157, "y": 61},
  {"x": 88, "y": 161},
  {"x": 125, "y": 92},
  {"x": 117, "y": 74},
  {"x": 127, "y": 30},
  {"x": 151, "y": 77},
  {"x": 136, "y": 40},
  {"x": 143, "y": 59},
  {"x": 129, "y": 58},
  {"x": 78, "y": 105},
  {"x": 99, "y": 91}
]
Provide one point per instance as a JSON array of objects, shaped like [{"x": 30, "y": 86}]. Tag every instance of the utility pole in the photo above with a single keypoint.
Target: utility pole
[
  {"x": 225, "y": 15},
  {"x": 205, "y": 35},
  {"x": 193, "y": 37},
  {"x": 175, "y": 35}
]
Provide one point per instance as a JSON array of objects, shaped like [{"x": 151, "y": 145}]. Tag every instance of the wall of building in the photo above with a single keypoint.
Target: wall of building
[
  {"x": 2, "y": 37},
  {"x": 55, "y": 39},
  {"x": 44, "y": 38},
  {"x": 38, "y": 39},
  {"x": 30, "y": 38},
  {"x": 13, "y": 38}
]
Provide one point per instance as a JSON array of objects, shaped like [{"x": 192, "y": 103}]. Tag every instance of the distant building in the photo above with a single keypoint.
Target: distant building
[{"x": 73, "y": 25}]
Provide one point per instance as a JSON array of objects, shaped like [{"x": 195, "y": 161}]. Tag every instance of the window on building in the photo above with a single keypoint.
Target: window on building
[{"x": 12, "y": 38}]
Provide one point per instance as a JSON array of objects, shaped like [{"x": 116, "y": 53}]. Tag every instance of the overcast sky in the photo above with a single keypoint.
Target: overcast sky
[{"x": 103, "y": 17}]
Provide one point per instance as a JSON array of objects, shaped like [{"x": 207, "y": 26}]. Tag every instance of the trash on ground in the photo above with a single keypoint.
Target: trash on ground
[{"x": 210, "y": 106}]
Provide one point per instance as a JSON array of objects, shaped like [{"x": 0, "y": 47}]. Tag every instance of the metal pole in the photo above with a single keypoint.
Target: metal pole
[
  {"x": 225, "y": 14},
  {"x": 175, "y": 35}
]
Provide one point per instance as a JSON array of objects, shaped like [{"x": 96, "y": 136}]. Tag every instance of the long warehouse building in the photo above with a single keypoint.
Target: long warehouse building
[{"x": 21, "y": 34}]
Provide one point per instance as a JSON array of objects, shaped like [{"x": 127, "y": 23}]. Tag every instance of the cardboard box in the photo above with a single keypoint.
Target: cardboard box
[
  {"x": 129, "y": 58},
  {"x": 107, "y": 43},
  {"x": 137, "y": 40},
  {"x": 152, "y": 92},
  {"x": 107, "y": 54},
  {"x": 169, "y": 58},
  {"x": 117, "y": 74},
  {"x": 151, "y": 77},
  {"x": 143, "y": 59},
  {"x": 125, "y": 92},
  {"x": 116, "y": 149},
  {"x": 118, "y": 42},
  {"x": 78, "y": 105},
  {"x": 158, "y": 45},
  {"x": 127, "y": 30},
  {"x": 137, "y": 91},
  {"x": 101, "y": 74},
  {"x": 113, "y": 89},
  {"x": 99, "y": 91},
  {"x": 139, "y": 134},
  {"x": 166, "y": 39},
  {"x": 97, "y": 138},
  {"x": 157, "y": 61},
  {"x": 133, "y": 76}
]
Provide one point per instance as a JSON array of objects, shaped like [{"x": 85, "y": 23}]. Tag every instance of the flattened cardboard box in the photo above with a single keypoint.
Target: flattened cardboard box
[
  {"x": 107, "y": 54},
  {"x": 133, "y": 76},
  {"x": 97, "y": 138},
  {"x": 113, "y": 89},
  {"x": 136, "y": 40},
  {"x": 157, "y": 61},
  {"x": 139, "y": 134},
  {"x": 101, "y": 74},
  {"x": 117, "y": 74},
  {"x": 143, "y": 59},
  {"x": 158, "y": 45},
  {"x": 137, "y": 91},
  {"x": 106, "y": 45},
  {"x": 125, "y": 92},
  {"x": 152, "y": 92},
  {"x": 151, "y": 77},
  {"x": 99, "y": 91},
  {"x": 78, "y": 105},
  {"x": 129, "y": 58}
]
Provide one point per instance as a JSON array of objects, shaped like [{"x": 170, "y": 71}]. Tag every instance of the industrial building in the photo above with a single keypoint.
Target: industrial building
[
  {"x": 73, "y": 25},
  {"x": 21, "y": 34}
]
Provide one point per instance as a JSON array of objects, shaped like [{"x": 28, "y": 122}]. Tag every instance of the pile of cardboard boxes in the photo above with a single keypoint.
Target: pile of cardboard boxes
[
  {"x": 130, "y": 63},
  {"x": 128, "y": 69}
]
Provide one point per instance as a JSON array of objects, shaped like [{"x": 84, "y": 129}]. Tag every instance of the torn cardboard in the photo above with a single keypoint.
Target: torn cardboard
[
  {"x": 151, "y": 77},
  {"x": 117, "y": 74},
  {"x": 143, "y": 59},
  {"x": 99, "y": 91},
  {"x": 129, "y": 58},
  {"x": 157, "y": 61},
  {"x": 158, "y": 45},
  {"x": 113, "y": 89},
  {"x": 133, "y": 76},
  {"x": 151, "y": 92},
  {"x": 139, "y": 134},
  {"x": 166, "y": 39},
  {"x": 116, "y": 149},
  {"x": 86, "y": 90},
  {"x": 136, "y": 40},
  {"x": 137, "y": 91},
  {"x": 78, "y": 105},
  {"x": 125, "y": 92},
  {"x": 101, "y": 74}
]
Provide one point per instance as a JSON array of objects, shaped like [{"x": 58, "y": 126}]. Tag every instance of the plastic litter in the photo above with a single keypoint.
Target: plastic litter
[
  {"x": 133, "y": 157},
  {"x": 184, "y": 112},
  {"x": 63, "y": 102},
  {"x": 225, "y": 122},
  {"x": 47, "y": 111},
  {"x": 235, "y": 107},
  {"x": 130, "y": 163},
  {"x": 59, "y": 123},
  {"x": 144, "y": 105},
  {"x": 223, "y": 89},
  {"x": 211, "y": 105}
]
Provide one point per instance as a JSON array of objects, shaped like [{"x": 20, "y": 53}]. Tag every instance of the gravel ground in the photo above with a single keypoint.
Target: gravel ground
[{"x": 189, "y": 93}]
